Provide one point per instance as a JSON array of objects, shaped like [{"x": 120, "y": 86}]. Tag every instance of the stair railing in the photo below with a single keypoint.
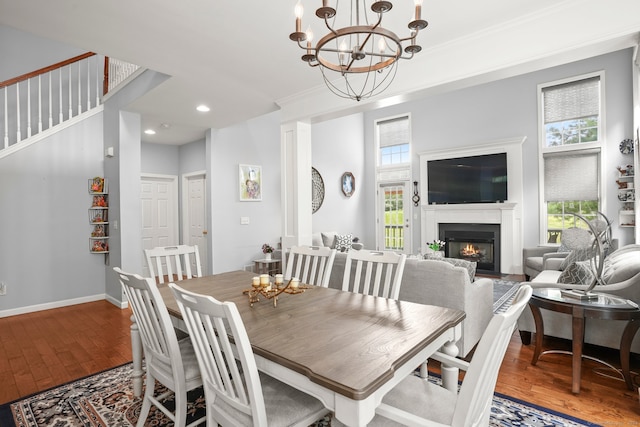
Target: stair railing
[{"x": 50, "y": 96}]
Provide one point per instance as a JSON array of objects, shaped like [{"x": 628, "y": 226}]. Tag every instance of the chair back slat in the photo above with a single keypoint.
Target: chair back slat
[
  {"x": 311, "y": 264},
  {"x": 374, "y": 273},
  {"x": 173, "y": 262},
  {"x": 230, "y": 376}
]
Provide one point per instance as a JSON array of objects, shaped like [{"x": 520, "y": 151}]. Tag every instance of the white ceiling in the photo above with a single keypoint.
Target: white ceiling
[{"x": 237, "y": 58}]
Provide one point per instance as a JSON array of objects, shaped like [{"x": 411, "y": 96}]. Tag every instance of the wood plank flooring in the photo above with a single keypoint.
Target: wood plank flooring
[{"x": 52, "y": 347}]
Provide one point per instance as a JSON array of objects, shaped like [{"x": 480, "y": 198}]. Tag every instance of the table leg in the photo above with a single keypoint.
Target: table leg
[
  {"x": 625, "y": 349},
  {"x": 450, "y": 373},
  {"x": 537, "y": 318},
  {"x": 578, "y": 340},
  {"x": 136, "y": 351}
]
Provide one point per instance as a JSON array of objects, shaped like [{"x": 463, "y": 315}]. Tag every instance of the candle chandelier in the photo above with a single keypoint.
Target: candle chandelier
[{"x": 357, "y": 46}]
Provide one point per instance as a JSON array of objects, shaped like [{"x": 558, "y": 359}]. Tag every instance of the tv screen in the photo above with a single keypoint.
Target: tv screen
[{"x": 475, "y": 179}]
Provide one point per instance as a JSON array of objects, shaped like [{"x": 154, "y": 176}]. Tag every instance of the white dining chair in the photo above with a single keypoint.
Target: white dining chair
[
  {"x": 169, "y": 361},
  {"x": 235, "y": 393},
  {"x": 311, "y": 264},
  {"x": 176, "y": 262},
  {"x": 418, "y": 402},
  {"x": 377, "y": 273}
]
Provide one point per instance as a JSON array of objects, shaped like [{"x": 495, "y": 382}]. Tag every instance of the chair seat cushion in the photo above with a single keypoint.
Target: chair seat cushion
[{"x": 189, "y": 362}]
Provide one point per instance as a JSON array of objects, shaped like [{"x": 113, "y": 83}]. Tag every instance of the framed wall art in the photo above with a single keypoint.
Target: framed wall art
[
  {"x": 250, "y": 183},
  {"x": 348, "y": 183}
]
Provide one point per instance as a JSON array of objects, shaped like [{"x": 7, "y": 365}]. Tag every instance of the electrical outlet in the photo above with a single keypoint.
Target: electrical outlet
[{"x": 3, "y": 288}]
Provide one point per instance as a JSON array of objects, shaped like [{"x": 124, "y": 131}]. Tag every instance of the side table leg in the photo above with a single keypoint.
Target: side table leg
[
  {"x": 537, "y": 318},
  {"x": 136, "y": 351},
  {"x": 578, "y": 340},
  {"x": 450, "y": 373},
  {"x": 625, "y": 349}
]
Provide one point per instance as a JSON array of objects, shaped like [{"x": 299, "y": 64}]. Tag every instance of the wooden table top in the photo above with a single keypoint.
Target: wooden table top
[{"x": 346, "y": 342}]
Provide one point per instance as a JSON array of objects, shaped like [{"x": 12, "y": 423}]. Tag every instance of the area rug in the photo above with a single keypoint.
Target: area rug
[
  {"x": 106, "y": 400},
  {"x": 504, "y": 291}
]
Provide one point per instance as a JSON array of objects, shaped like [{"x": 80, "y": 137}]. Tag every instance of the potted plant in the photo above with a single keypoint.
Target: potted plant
[
  {"x": 436, "y": 247},
  {"x": 267, "y": 250}
]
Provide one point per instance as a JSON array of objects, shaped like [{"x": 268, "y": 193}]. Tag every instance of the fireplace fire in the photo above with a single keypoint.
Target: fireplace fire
[{"x": 478, "y": 243}]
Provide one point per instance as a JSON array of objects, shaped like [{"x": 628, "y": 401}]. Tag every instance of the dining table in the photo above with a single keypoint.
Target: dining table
[{"x": 346, "y": 349}]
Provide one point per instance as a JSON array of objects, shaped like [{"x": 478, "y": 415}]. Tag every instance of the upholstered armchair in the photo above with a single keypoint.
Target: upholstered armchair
[{"x": 538, "y": 259}]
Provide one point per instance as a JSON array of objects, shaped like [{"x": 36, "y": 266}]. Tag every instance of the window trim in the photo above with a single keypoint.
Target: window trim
[{"x": 543, "y": 149}]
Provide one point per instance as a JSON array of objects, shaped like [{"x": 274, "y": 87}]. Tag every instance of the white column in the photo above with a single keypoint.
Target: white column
[{"x": 295, "y": 151}]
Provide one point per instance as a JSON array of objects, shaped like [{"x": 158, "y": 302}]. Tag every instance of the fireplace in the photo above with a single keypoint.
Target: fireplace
[{"x": 473, "y": 242}]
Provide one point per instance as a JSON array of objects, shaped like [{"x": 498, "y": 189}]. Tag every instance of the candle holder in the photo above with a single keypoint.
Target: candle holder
[{"x": 271, "y": 292}]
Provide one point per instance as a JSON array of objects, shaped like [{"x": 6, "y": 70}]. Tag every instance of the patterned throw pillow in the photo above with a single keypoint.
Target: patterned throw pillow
[
  {"x": 343, "y": 242},
  {"x": 578, "y": 273},
  {"x": 469, "y": 265},
  {"x": 582, "y": 254}
]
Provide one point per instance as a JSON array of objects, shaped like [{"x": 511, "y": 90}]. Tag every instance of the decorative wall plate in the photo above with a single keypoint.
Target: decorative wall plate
[
  {"x": 317, "y": 190},
  {"x": 626, "y": 146}
]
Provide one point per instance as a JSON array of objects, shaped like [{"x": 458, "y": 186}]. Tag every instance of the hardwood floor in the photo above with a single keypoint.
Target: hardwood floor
[{"x": 48, "y": 348}]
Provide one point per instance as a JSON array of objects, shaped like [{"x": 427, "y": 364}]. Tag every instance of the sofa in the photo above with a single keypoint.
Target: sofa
[
  {"x": 441, "y": 283},
  {"x": 337, "y": 241},
  {"x": 621, "y": 277}
]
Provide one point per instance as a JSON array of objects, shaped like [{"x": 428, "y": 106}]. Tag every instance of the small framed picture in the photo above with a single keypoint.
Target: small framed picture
[
  {"x": 348, "y": 184},
  {"x": 250, "y": 183}
]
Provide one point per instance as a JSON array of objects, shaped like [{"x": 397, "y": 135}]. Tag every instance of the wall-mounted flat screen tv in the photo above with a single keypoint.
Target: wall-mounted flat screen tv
[{"x": 474, "y": 179}]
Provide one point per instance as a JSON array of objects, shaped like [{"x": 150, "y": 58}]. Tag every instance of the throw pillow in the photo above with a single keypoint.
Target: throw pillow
[
  {"x": 578, "y": 273},
  {"x": 581, "y": 254},
  {"x": 329, "y": 239},
  {"x": 343, "y": 242},
  {"x": 469, "y": 265}
]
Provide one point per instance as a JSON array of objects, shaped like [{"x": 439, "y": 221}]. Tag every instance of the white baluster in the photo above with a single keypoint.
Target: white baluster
[
  {"x": 79, "y": 89},
  {"x": 89, "y": 83},
  {"x": 28, "y": 108},
  {"x": 50, "y": 102},
  {"x": 6, "y": 119},
  {"x": 70, "y": 96},
  {"x": 39, "y": 103},
  {"x": 97, "y": 81},
  {"x": 18, "y": 134},
  {"x": 60, "y": 118}
]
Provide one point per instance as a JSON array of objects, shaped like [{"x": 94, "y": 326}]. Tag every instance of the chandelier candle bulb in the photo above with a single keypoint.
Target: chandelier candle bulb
[{"x": 298, "y": 11}]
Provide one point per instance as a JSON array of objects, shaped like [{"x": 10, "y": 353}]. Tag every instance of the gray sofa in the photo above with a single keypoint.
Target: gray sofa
[
  {"x": 621, "y": 275},
  {"x": 443, "y": 284}
]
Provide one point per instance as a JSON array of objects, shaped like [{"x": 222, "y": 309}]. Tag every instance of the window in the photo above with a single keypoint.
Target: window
[
  {"x": 393, "y": 140},
  {"x": 570, "y": 153}
]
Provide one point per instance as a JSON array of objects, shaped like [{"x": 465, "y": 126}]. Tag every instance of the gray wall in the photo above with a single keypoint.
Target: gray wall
[
  {"x": 44, "y": 220},
  {"x": 338, "y": 147},
  {"x": 506, "y": 109}
]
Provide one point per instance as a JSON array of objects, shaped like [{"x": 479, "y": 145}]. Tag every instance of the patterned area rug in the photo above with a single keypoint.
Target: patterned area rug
[
  {"x": 106, "y": 399},
  {"x": 504, "y": 291}
]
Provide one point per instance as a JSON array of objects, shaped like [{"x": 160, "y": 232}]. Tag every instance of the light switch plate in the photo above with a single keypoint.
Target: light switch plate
[{"x": 244, "y": 220}]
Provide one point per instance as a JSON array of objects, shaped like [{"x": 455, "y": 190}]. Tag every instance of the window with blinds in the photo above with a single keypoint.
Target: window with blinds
[
  {"x": 393, "y": 141},
  {"x": 572, "y": 112},
  {"x": 570, "y": 181}
]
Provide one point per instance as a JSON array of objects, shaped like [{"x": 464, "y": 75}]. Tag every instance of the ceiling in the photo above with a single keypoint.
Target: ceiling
[{"x": 237, "y": 58}]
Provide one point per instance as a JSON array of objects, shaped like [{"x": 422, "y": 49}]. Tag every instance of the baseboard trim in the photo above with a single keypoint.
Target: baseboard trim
[{"x": 56, "y": 304}]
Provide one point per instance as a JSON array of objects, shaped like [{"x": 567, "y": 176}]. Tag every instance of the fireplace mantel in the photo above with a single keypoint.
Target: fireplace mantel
[{"x": 508, "y": 214}]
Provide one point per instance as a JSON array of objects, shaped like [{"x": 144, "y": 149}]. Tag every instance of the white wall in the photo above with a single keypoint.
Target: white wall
[{"x": 338, "y": 147}]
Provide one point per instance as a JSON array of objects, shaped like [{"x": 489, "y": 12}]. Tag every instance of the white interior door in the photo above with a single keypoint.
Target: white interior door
[
  {"x": 159, "y": 197},
  {"x": 194, "y": 213},
  {"x": 394, "y": 217}
]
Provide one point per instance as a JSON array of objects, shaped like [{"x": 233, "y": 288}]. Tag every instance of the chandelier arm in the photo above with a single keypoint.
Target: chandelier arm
[{"x": 326, "y": 22}]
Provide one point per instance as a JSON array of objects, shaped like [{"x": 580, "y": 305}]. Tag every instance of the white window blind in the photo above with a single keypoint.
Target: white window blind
[
  {"x": 393, "y": 132},
  {"x": 571, "y": 176},
  {"x": 570, "y": 101}
]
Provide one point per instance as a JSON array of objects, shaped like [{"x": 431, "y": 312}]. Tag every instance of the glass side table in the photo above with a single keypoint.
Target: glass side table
[{"x": 605, "y": 306}]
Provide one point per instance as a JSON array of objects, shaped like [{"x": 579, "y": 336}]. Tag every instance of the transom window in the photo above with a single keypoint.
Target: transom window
[{"x": 393, "y": 140}]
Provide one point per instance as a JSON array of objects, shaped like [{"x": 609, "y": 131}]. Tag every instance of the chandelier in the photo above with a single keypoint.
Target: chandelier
[{"x": 357, "y": 46}]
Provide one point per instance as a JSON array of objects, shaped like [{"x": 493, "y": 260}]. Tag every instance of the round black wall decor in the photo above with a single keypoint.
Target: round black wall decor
[{"x": 317, "y": 190}]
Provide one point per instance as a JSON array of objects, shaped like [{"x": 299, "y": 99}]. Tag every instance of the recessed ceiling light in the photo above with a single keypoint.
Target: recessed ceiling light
[
  {"x": 150, "y": 132},
  {"x": 202, "y": 108}
]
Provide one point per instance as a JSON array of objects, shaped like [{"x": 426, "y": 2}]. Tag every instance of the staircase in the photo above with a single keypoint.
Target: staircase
[{"x": 38, "y": 103}]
